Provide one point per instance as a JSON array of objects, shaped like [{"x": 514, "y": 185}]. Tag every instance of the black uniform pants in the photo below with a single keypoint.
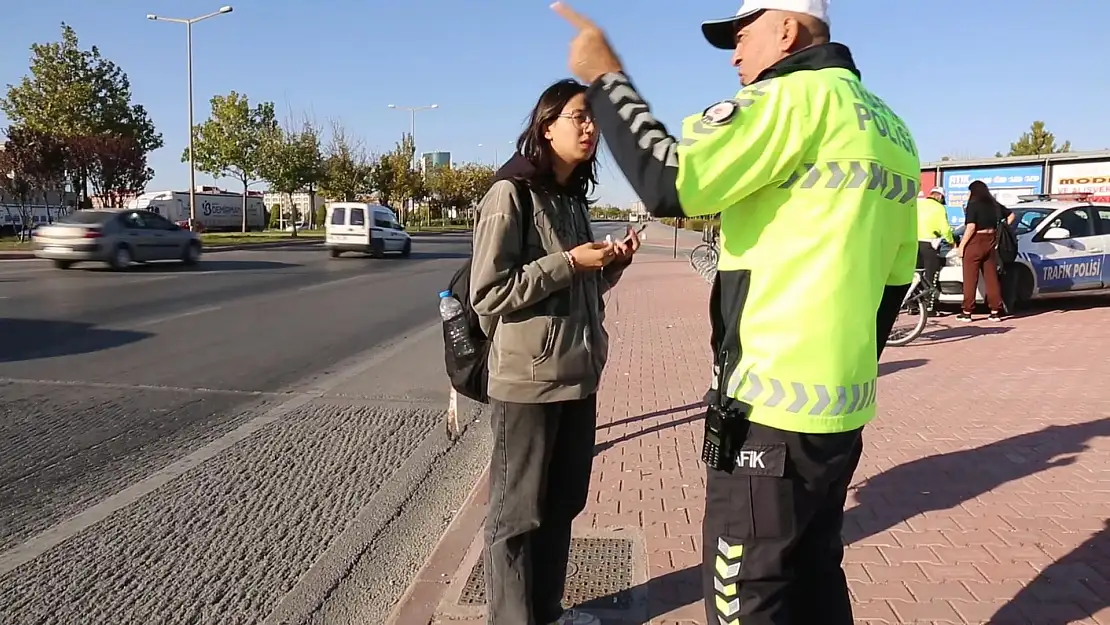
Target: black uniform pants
[
  {"x": 929, "y": 260},
  {"x": 772, "y": 531},
  {"x": 539, "y": 482}
]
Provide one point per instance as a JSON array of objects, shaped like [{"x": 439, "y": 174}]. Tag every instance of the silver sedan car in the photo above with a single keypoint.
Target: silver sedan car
[{"x": 116, "y": 237}]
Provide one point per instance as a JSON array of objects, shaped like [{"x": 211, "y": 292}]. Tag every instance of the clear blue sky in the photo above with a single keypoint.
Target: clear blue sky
[{"x": 969, "y": 76}]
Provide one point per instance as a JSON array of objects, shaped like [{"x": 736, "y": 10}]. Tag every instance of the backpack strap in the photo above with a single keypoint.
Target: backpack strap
[{"x": 525, "y": 208}]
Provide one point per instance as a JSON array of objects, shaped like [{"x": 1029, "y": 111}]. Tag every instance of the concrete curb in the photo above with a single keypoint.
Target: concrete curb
[
  {"x": 422, "y": 599},
  {"x": 263, "y": 246},
  {"x": 207, "y": 250}
]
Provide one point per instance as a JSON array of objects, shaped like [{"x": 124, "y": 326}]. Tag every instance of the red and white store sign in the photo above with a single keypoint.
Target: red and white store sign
[{"x": 1091, "y": 178}]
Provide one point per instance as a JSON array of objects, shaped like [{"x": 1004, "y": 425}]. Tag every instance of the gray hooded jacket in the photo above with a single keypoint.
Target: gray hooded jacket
[{"x": 551, "y": 344}]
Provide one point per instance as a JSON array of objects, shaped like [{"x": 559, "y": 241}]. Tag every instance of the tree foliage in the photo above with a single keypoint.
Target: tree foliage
[
  {"x": 229, "y": 143},
  {"x": 75, "y": 93},
  {"x": 394, "y": 178},
  {"x": 115, "y": 165},
  {"x": 291, "y": 161},
  {"x": 458, "y": 188},
  {"x": 30, "y": 161},
  {"x": 1036, "y": 142},
  {"x": 347, "y": 167}
]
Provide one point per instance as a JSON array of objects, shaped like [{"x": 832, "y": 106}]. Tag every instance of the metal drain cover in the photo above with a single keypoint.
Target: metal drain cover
[{"x": 599, "y": 576}]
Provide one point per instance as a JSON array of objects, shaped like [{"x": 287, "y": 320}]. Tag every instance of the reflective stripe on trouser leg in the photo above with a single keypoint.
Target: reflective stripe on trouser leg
[{"x": 726, "y": 574}]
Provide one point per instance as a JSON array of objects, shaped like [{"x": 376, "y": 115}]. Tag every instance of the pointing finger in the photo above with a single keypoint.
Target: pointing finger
[{"x": 574, "y": 18}]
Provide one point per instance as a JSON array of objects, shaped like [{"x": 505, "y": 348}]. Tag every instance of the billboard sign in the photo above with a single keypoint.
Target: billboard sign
[
  {"x": 1091, "y": 178},
  {"x": 928, "y": 181},
  {"x": 1005, "y": 183}
]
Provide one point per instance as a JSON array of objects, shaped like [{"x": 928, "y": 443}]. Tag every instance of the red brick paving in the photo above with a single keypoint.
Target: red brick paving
[{"x": 983, "y": 494}]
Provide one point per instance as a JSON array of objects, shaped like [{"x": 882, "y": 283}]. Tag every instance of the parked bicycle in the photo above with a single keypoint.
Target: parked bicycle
[
  {"x": 704, "y": 257},
  {"x": 915, "y": 310}
]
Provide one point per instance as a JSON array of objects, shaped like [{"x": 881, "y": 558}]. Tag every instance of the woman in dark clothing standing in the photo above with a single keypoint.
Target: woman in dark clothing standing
[{"x": 977, "y": 249}]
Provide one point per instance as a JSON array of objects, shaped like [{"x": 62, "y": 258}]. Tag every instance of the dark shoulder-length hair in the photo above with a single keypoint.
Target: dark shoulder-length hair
[
  {"x": 534, "y": 146},
  {"x": 979, "y": 192}
]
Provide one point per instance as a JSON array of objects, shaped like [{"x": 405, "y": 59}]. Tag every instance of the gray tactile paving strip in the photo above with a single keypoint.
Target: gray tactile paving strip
[
  {"x": 599, "y": 576},
  {"x": 223, "y": 543}
]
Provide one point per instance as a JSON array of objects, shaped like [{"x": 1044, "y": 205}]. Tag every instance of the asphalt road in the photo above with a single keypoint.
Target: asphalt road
[{"x": 256, "y": 440}]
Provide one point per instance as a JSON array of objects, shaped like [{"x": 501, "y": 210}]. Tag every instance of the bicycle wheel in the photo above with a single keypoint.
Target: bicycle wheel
[
  {"x": 917, "y": 314},
  {"x": 702, "y": 256}
]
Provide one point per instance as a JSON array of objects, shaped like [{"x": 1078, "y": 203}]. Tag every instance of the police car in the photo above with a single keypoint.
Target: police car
[{"x": 1063, "y": 244}]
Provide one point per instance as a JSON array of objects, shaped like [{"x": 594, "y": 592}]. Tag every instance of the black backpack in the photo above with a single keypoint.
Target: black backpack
[
  {"x": 470, "y": 374},
  {"x": 1007, "y": 244}
]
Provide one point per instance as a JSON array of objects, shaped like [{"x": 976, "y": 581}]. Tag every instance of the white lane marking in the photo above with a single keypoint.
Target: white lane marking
[
  {"x": 176, "y": 316},
  {"x": 52, "y": 537},
  {"x": 321, "y": 285}
]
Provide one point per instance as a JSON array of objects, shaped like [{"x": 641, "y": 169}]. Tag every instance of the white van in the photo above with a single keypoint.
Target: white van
[{"x": 366, "y": 228}]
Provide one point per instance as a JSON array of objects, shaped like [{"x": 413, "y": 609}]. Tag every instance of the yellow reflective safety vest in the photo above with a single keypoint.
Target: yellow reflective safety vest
[
  {"x": 816, "y": 180},
  {"x": 932, "y": 221}
]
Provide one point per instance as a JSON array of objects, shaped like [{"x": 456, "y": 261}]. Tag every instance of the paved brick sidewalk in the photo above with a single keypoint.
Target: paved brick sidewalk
[{"x": 984, "y": 491}]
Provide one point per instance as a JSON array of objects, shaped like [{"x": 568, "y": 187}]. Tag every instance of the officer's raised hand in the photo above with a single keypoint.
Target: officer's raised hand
[{"x": 590, "y": 56}]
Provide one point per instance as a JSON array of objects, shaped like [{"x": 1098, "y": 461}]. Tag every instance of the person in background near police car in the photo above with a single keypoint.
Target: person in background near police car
[
  {"x": 983, "y": 216},
  {"x": 816, "y": 181},
  {"x": 932, "y": 228}
]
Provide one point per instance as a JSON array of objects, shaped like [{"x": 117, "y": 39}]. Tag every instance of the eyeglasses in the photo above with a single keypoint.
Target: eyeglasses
[{"x": 579, "y": 118}]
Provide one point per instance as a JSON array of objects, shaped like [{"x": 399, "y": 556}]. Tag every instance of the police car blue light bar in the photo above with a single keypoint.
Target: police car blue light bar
[{"x": 1059, "y": 197}]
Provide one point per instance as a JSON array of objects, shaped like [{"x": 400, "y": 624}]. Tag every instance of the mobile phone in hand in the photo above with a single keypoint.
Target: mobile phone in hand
[{"x": 640, "y": 230}]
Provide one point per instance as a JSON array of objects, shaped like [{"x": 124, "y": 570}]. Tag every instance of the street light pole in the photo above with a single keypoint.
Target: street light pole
[
  {"x": 412, "y": 133},
  {"x": 412, "y": 124},
  {"x": 188, "y": 22}
]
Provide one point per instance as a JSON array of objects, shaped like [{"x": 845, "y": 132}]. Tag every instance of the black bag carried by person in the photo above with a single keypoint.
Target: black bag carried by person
[
  {"x": 1007, "y": 244},
  {"x": 469, "y": 374}
]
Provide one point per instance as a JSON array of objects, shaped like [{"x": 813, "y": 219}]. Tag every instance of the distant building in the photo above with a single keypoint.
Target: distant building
[
  {"x": 300, "y": 201},
  {"x": 432, "y": 160},
  {"x": 637, "y": 209},
  {"x": 99, "y": 201}
]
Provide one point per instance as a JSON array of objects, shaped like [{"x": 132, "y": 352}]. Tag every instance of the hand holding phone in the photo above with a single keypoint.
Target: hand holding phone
[
  {"x": 628, "y": 246},
  {"x": 637, "y": 232}
]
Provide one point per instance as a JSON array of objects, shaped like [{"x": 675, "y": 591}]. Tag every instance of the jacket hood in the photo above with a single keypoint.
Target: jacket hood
[{"x": 516, "y": 167}]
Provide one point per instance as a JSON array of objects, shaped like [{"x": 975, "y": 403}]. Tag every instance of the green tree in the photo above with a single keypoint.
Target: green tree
[
  {"x": 116, "y": 166},
  {"x": 290, "y": 161},
  {"x": 394, "y": 178},
  {"x": 382, "y": 177},
  {"x": 458, "y": 188},
  {"x": 229, "y": 143},
  {"x": 30, "y": 161},
  {"x": 75, "y": 93},
  {"x": 315, "y": 173},
  {"x": 347, "y": 168},
  {"x": 1036, "y": 142}
]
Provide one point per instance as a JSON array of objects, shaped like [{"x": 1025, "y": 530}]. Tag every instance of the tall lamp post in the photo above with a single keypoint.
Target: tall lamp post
[
  {"x": 412, "y": 133},
  {"x": 188, "y": 22}
]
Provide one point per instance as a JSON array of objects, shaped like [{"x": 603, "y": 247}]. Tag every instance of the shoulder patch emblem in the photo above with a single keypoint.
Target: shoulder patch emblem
[{"x": 720, "y": 113}]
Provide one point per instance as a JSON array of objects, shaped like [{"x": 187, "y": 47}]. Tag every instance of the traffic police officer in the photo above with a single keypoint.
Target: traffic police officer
[
  {"x": 932, "y": 228},
  {"x": 815, "y": 178}
]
